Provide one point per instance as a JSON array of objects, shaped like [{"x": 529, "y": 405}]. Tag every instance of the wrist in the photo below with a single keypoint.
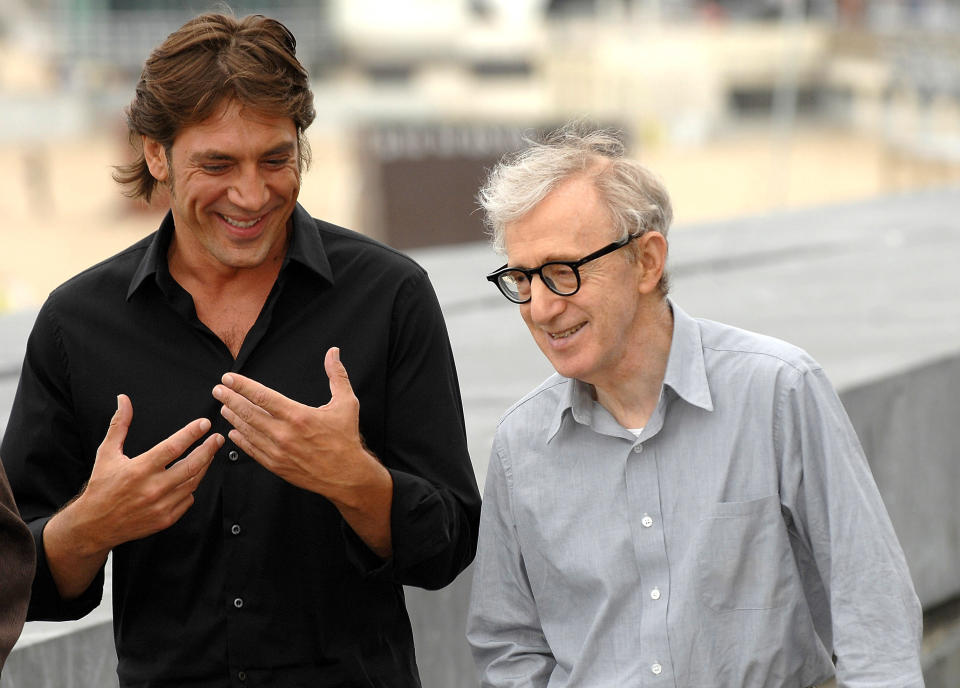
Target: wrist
[
  {"x": 71, "y": 532},
  {"x": 364, "y": 482}
]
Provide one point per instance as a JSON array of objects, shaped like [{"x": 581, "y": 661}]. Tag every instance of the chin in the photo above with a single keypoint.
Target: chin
[{"x": 567, "y": 368}]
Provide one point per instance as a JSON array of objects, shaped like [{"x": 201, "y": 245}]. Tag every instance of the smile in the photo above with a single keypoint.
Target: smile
[
  {"x": 239, "y": 224},
  {"x": 566, "y": 333}
]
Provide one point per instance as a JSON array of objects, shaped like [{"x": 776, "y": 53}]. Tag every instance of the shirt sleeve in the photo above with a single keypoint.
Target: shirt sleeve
[
  {"x": 834, "y": 508},
  {"x": 503, "y": 626},
  {"x": 46, "y": 461},
  {"x": 16, "y": 569},
  {"x": 436, "y": 504}
]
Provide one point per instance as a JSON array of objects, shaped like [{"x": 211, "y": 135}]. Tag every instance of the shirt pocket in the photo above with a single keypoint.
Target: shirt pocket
[{"x": 744, "y": 556}]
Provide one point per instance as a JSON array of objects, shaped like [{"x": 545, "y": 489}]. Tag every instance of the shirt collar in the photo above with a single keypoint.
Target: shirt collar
[
  {"x": 686, "y": 375},
  {"x": 686, "y": 370},
  {"x": 306, "y": 248}
]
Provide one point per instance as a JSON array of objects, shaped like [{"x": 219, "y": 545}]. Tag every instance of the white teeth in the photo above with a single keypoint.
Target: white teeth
[
  {"x": 241, "y": 225},
  {"x": 565, "y": 333}
]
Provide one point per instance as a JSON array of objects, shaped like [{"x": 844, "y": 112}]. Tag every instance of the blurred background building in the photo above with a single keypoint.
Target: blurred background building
[
  {"x": 741, "y": 105},
  {"x": 752, "y": 112}
]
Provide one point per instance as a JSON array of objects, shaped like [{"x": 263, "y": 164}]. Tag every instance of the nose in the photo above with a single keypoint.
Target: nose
[
  {"x": 249, "y": 190},
  {"x": 544, "y": 305}
]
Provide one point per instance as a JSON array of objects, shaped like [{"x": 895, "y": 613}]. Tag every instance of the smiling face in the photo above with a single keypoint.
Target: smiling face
[
  {"x": 593, "y": 335},
  {"x": 234, "y": 181}
]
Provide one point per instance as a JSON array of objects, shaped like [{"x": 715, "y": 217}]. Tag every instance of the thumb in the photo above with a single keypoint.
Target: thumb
[
  {"x": 339, "y": 380},
  {"x": 119, "y": 425}
]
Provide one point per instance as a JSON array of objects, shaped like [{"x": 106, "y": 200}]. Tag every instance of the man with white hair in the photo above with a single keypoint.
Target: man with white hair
[{"x": 683, "y": 503}]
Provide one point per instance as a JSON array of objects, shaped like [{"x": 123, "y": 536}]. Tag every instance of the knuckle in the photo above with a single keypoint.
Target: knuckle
[
  {"x": 299, "y": 421},
  {"x": 243, "y": 414},
  {"x": 285, "y": 437},
  {"x": 151, "y": 495},
  {"x": 168, "y": 518}
]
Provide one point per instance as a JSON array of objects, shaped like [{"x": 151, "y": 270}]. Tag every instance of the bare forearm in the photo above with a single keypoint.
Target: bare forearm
[
  {"x": 365, "y": 506},
  {"x": 73, "y": 557}
]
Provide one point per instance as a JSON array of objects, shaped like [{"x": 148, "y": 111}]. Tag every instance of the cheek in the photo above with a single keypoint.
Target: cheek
[
  {"x": 287, "y": 180},
  {"x": 525, "y": 314}
]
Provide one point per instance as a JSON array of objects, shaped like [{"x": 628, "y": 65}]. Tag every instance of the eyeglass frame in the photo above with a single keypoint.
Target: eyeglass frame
[{"x": 574, "y": 265}]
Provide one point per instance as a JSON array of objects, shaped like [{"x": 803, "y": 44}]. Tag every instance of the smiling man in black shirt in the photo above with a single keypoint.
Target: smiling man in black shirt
[{"x": 187, "y": 405}]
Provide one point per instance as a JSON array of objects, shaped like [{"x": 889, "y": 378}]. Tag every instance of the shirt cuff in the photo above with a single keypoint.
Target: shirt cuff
[{"x": 420, "y": 529}]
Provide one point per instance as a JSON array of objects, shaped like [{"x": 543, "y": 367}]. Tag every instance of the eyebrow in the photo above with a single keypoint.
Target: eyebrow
[{"x": 213, "y": 154}]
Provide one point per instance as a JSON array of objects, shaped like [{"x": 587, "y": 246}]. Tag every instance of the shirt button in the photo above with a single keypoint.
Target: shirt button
[
  {"x": 233, "y": 455},
  {"x": 646, "y": 521},
  {"x": 637, "y": 448},
  {"x": 655, "y": 594},
  {"x": 238, "y": 603},
  {"x": 242, "y": 675},
  {"x": 656, "y": 669},
  {"x": 235, "y": 529}
]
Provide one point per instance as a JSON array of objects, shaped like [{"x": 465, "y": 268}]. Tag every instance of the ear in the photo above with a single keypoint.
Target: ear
[
  {"x": 653, "y": 257},
  {"x": 156, "y": 157}
]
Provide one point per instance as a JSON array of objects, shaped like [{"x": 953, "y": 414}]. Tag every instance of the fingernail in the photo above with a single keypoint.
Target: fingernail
[
  {"x": 227, "y": 379},
  {"x": 217, "y": 392},
  {"x": 204, "y": 424}
]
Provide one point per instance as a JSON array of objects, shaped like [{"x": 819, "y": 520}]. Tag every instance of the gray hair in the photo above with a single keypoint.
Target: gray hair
[{"x": 636, "y": 200}]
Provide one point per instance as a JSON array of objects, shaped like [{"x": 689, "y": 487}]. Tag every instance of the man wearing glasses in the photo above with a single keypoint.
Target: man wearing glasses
[{"x": 683, "y": 503}]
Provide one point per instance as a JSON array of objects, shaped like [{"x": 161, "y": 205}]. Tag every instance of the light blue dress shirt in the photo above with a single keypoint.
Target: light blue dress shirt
[{"x": 738, "y": 542}]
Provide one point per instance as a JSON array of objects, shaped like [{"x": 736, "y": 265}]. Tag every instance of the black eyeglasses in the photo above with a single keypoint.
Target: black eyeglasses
[{"x": 562, "y": 277}]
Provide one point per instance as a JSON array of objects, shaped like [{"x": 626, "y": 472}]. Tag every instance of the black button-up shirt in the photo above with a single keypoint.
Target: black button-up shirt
[{"x": 260, "y": 582}]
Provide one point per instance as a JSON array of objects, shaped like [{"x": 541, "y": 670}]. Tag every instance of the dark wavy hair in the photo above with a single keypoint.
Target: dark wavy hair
[{"x": 210, "y": 59}]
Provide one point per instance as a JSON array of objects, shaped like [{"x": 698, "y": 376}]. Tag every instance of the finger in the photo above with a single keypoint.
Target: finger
[
  {"x": 339, "y": 380},
  {"x": 180, "y": 508},
  {"x": 238, "y": 410},
  {"x": 250, "y": 448},
  {"x": 189, "y": 471},
  {"x": 257, "y": 394},
  {"x": 119, "y": 425},
  {"x": 167, "y": 451}
]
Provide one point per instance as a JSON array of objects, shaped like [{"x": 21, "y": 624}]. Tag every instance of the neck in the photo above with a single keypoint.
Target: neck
[
  {"x": 632, "y": 395},
  {"x": 199, "y": 272}
]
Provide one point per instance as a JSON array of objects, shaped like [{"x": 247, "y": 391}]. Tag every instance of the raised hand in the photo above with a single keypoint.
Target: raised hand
[
  {"x": 315, "y": 448},
  {"x": 125, "y": 499}
]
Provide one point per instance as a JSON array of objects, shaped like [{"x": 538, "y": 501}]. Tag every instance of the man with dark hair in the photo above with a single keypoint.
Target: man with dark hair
[
  {"x": 16, "y": 570},
  {"x": 265, "y": 541},
  {"x": 683, "y": 503}
]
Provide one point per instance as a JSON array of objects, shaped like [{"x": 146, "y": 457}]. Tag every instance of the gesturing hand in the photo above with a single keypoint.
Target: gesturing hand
[
  {"x": 316, "y": 448},
  {"x": 127, "y": 499}
]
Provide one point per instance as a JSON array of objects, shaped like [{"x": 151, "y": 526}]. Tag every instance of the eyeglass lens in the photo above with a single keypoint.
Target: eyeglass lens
[{"x": 559, "y": 278}]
